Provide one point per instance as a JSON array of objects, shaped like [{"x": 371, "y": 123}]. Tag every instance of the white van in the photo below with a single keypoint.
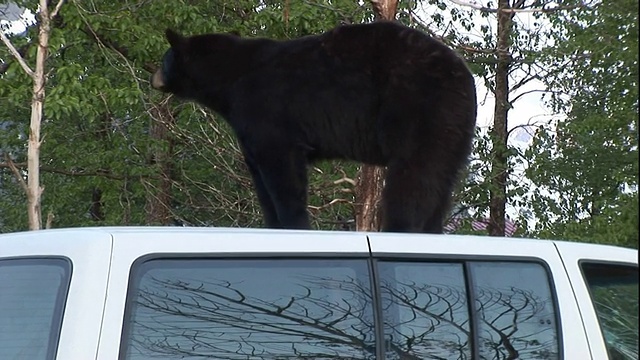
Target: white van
[{"x": 211, "y": 293}]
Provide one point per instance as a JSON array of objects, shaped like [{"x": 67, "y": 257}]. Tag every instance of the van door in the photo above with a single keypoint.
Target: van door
[
  {"x": 466, "y": 297},
  {"x": 605, "y": 281},
  {"x": 239, "y": 294}
]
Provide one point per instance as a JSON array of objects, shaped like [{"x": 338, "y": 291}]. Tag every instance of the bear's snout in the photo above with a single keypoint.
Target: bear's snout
[{"x": 157, "y": 80}]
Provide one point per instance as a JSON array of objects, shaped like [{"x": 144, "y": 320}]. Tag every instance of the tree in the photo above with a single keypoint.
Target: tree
[
  {"x": 586, "y": 165},
  {"x": 506, "y": 46},
  {"x": 32, "y": 187},
  {"x": 499, "y": 131}
]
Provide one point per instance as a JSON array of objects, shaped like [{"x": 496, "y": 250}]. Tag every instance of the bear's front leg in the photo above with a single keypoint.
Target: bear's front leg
[
  {"x": 269, "y": 212},
  {"x": 280, "y": 179}
]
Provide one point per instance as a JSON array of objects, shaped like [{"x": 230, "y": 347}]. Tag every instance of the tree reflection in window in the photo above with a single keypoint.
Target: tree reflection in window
[
  {"x": 252, "y": 309},
  {"x": 515, "y": 308},
  {"x": 322, "y": 309},
  {"x": 426, "y": 311}
]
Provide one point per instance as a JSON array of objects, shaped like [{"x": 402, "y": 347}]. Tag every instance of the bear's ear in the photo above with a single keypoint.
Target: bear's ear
[{"x": 175, "y": 39}]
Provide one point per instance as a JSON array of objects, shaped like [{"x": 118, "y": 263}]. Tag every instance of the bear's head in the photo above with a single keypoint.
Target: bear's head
[
  {"x": 195, "y": 67},
  {"x": 170, "y": 77}
]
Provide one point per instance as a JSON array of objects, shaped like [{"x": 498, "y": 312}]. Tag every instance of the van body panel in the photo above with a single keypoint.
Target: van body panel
[
  {"x": 102, "y": 259},
  {"x": 572, "y": 255}
]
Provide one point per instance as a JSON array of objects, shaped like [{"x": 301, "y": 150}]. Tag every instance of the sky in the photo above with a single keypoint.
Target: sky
[
  {"x": 13, "y": 17},
  {"x": 9, "y": 12},
  {"x": 527, "y": 110}
]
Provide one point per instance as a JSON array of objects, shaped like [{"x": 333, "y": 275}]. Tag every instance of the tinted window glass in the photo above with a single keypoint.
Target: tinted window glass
[
  {"x": 614, "y": 292},
  {"x": 515, "y": 311},
  {"x": 32, "y": 298},
  {"x": 425, "y": 311},
  {"x": 250, "y": 309}
]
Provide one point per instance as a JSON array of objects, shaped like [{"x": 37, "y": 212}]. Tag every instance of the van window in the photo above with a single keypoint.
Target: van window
[
  {"x": 249, "y": 309},
  {"x": 614, "y": 293},
  {"x": 426, "y": 314},
  {"x": 32, "y": 297},
  {"x": 430, "y": 313},
  {"x": 515, "y": 311}
]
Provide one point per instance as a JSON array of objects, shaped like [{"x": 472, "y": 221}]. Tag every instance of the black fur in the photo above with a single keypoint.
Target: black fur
[{"x": 379, "y": 93}]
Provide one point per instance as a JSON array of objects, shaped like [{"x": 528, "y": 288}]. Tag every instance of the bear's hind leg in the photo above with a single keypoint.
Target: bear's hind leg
[
  {"x": 401, "y": 204},
  {"x": 435, "y": 223},
  {"x": 415, "y": 198}
]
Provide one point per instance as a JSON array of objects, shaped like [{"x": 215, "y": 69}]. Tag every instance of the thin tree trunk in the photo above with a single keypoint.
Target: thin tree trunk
[
  {"x": 158, "y": 205},
  {"x": 96, "y": 210},
  {"x": 33, "y": 189},
  {"x": 370, "y": 179},
  {"x": 499, "y": 166},
  {"x": 368, "y": 192},
  {"x": 385, "y": 9}
]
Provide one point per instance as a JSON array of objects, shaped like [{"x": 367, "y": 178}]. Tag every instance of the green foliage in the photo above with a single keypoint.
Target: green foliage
[
  {"x": 113, "y": 148},
  {"x": 587, "y": 165},
  {"x": 109, "y": 156}
]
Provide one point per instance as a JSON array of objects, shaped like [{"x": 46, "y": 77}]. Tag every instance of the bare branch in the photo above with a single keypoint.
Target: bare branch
[
  {"x": 76, "y": 172},
  {"x": 331, "y": 203},
  {"x": 16, "y": 54},
  {"x": 122, "y": 51},
  {"x": 526, "y": 127},
  {"x": 50, "y": 216},
  {"x": 11, "y": 165},
  {"x": 56, "y": 9},
  {"x": 22, "y": 51},
  {"x": 345, "y": 179},
  {"x": 527, "y": 93},
  {"x": 422, "y": 26},
  {"x": 515, "y": 9}
]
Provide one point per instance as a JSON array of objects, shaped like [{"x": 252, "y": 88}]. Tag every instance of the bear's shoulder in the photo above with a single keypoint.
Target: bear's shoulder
[{"x": 355, "y": 32}]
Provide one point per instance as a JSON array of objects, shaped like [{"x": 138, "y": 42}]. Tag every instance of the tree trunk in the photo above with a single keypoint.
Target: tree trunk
[
  {"x": 32, "y": 187},
  {"x": 96, "y": 210},
  {"x": 368, "y": 192},
  {"x": 499, "y": 166},
  {"x": 370, "y": 178},
  {"x": 158, "y": 204},
  {"x": 385, "y": 9},
  {"x": 34, "y": 190}
]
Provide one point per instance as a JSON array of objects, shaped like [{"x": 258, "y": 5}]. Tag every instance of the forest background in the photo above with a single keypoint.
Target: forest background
[{"x": 114, "y": 152}]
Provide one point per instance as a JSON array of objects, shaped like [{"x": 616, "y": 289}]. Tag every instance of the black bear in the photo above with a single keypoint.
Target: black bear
[{"x": 379, "y": 93}]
